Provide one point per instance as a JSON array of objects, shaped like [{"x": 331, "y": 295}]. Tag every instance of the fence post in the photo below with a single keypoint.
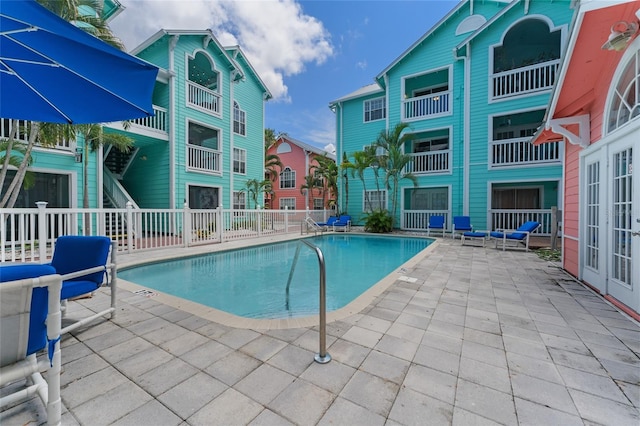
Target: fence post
[
  {"x": 186, "y": 230},
  {"x": 42, "y": 230},
  {"x": 130, "y": 229},
  {"x": 554, "y": 227},
  {"x": 286, "y": 220},
  {"x": 259, "y": 219}
]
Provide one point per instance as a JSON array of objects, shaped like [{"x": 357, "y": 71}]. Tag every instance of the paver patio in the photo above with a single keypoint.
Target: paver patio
[{"x": 469, "y": 335}]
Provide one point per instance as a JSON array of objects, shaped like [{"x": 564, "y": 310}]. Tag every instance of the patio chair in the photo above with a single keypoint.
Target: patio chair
[
  {"x": 436, "y": 223},
  {"x": 461, "y": 224},
  {"x": 515, "y": 237},
  {"x": 343, "y": 223},
  {"x": 30, "y": 322},
  {"x": 329, "y": 223},
  {"x": 82, "y": 261}
]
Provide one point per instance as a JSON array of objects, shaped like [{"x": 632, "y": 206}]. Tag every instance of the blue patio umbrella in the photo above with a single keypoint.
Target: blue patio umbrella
[{"x": 52, "y": 71}]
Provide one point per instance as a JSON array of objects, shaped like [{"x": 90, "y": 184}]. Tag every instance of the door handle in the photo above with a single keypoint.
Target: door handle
[{"x": 635, "y": 234}]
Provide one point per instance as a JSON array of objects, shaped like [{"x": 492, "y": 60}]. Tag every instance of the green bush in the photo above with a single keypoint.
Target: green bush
[{"x": 378, "y": 221}]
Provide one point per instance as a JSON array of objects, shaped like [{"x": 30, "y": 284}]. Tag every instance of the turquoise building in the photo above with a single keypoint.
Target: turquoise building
[
  {"x": 209, "y": 114},
  {"x": 473, "y": 91}
]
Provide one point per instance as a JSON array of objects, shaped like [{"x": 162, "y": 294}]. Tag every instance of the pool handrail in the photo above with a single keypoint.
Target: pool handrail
[{"x": 322, "y": 357}]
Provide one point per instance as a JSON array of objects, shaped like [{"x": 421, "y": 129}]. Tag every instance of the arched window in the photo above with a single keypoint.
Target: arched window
[
  {"x": 239, "y": 120},
  {"x": 624, "y": 105},
  {"x": 202, "y": 71},
  {"x": 288, "y": 178},
  {"x": 528, "y": 42}
]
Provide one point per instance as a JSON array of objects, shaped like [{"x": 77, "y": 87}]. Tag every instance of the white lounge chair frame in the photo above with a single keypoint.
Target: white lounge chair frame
[
  {"x": 511, "y": 242},
  {"x": 28, "y": 367}
]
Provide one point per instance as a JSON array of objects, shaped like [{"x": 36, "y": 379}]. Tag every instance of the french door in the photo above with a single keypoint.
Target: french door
[{"x": 623, "y": 239}]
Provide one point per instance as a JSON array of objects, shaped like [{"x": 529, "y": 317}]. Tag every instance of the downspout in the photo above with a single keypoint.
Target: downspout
[
  {"x": 340, "y": 151},
  {"x": 306, "y": 170},
  {"x": 231, "y": 83},
  {"x": 466, "y": 134},
  {"x": 467, "y": 130},
  {"x": 386, "y": 99},
  {"x": 99, "y": 176},
  {"x": 172, "y": 125}
]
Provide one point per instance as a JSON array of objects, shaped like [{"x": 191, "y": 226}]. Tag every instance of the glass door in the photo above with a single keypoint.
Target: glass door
[{"x": 624, "y": 223}]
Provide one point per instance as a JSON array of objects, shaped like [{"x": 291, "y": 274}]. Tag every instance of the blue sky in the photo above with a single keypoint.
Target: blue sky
[{"x": 308, "y": 53}]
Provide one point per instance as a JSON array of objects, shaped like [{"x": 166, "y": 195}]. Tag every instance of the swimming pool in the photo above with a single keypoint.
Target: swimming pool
[{"x": 251, "y": 282}]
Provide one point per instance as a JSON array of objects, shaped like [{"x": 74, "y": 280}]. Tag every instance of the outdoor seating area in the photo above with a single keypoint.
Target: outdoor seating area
[
  {"x": 342, "y": 224},
  {"x": 481, "y": 345},
  {"x": 33, "y": 301}
]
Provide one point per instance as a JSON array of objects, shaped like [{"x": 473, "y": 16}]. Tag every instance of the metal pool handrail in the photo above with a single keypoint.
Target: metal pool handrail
[{"x": 322, "y": 356}]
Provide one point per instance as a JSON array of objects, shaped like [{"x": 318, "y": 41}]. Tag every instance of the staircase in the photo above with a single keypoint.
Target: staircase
[{"x": 117, "y": 161}]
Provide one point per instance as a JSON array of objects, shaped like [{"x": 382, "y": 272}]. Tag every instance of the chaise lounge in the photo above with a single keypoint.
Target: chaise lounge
[
  {"x": 342, "y": 224},
  {"x": 515, "y": 238}
]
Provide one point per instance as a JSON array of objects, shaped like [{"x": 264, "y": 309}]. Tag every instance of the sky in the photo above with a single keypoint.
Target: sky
[{"x": 308, "y": 53}]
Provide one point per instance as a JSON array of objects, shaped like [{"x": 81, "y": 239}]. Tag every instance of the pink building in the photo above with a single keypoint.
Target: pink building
[
  {"x": 595, "y": 109},
  {"x": 298, "y": 161}
]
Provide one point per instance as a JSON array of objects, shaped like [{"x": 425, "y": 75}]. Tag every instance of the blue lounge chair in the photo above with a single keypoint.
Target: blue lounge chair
[
  {"x": 514, "y": 237},
  {"x": 329, "y": 222},
  {"x": 436, "y": 223},
  {"x": 343, "y": 223},
  {"x": 461, "y": 224},
  {"x": 30, "y": 322},
  {"x": 82, "y": 261}
]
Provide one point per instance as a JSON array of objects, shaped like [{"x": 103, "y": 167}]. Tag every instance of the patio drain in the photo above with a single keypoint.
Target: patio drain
[{"x": 144, "y": 292}]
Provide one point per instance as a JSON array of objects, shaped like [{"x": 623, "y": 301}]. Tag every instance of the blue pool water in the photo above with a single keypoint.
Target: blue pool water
[{"x": 251, "y": 282}]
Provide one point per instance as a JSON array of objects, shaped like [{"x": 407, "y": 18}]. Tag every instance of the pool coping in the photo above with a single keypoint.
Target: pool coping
[{"x": 225, "y": 318}]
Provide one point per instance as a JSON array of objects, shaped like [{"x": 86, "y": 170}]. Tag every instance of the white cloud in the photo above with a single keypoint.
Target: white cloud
[{"x": 279, "y": 39}]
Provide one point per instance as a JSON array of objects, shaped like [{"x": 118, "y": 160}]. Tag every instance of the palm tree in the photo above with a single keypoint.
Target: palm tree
[
  {"x": 94, "y": 138},
  {"x": 12, "y": 146},
  {"x": 361, "y": 162},
  {"x": 309, "y": 186},
  {"x": 255, "y": 188},
  {"x": 271, "y": 161},
  {"x": 394, "y": 161},
  {"x": 328, "y": 171},
  {"x": 345, "y": 165}
]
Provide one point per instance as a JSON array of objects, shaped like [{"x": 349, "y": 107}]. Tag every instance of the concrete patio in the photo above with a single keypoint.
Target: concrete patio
[{"x": 469, "y": 335}]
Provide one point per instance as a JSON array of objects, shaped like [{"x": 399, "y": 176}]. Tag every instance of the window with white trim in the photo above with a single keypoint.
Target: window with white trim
[
  {"x": 375, "y": 200},
  {"x": 239, "y": 200},
  {"x": 287, "y": 203},
  {"x": 239, "y": 160},
  {"x": 288, "y": 178},
  {"x": 625, "y": 102},
  {"x": 375, "y": 109},
  {"x": 239, "y": 120},
  {"x": 317, "y": 204}
]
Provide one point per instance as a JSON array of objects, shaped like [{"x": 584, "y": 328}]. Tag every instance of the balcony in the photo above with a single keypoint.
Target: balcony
[
  {"x": 201, "y": 98},
  {"x": 429, "y": 162},
  {"x": 203, "y": 159},
  {"x": 22, "y": 136},
  {"x": 524, "y": 80},
  {"x": 427, "y": 106},
  {"x": 157, "y": 123},
  {"x": 520, "y": 151}
]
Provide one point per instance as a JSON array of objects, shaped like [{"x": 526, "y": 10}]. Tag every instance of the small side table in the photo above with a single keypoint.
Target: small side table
[{"x": 469, "y": 237}]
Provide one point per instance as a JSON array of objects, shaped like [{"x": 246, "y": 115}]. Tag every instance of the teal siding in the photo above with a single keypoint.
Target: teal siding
[{"x": 432, "y": 53}]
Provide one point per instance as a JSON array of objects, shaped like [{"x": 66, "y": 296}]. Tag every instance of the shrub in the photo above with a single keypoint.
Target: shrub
[{"x": 378, "y": 221}]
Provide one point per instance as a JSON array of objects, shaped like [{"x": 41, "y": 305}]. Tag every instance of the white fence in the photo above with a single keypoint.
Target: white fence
[
  {"x": 520, "y": 151},
  {"x": 427, "y": 106},
  {"x": 512, "y": 219},
  {"x": 418, "y": 220},
  {"x": 529, "y": 79},
  {"x": 29, "y": 234}
]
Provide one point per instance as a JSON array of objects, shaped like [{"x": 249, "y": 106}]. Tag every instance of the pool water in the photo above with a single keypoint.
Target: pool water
[{"x": 252, "y": 282}]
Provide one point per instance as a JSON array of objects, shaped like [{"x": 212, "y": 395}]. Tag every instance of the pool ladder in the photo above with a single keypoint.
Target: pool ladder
[{"x": 322, "y": 357}]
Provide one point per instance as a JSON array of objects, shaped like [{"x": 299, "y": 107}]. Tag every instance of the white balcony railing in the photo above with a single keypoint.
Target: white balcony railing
[
  {"x": 427, "y": 106},
  {"x": 512, "y": 152},
  {"x": 202, "y": 98},
  {"x": 23, "y": 136},
  {"x": 513, "y": 218},
  {"x": 429, "y": 162},
  {"x": 203, "y": 159},
  {"x": 529, "y": 79},
  {"x": 157, "y": 123},
  {"x": 418, "y": 220}
]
